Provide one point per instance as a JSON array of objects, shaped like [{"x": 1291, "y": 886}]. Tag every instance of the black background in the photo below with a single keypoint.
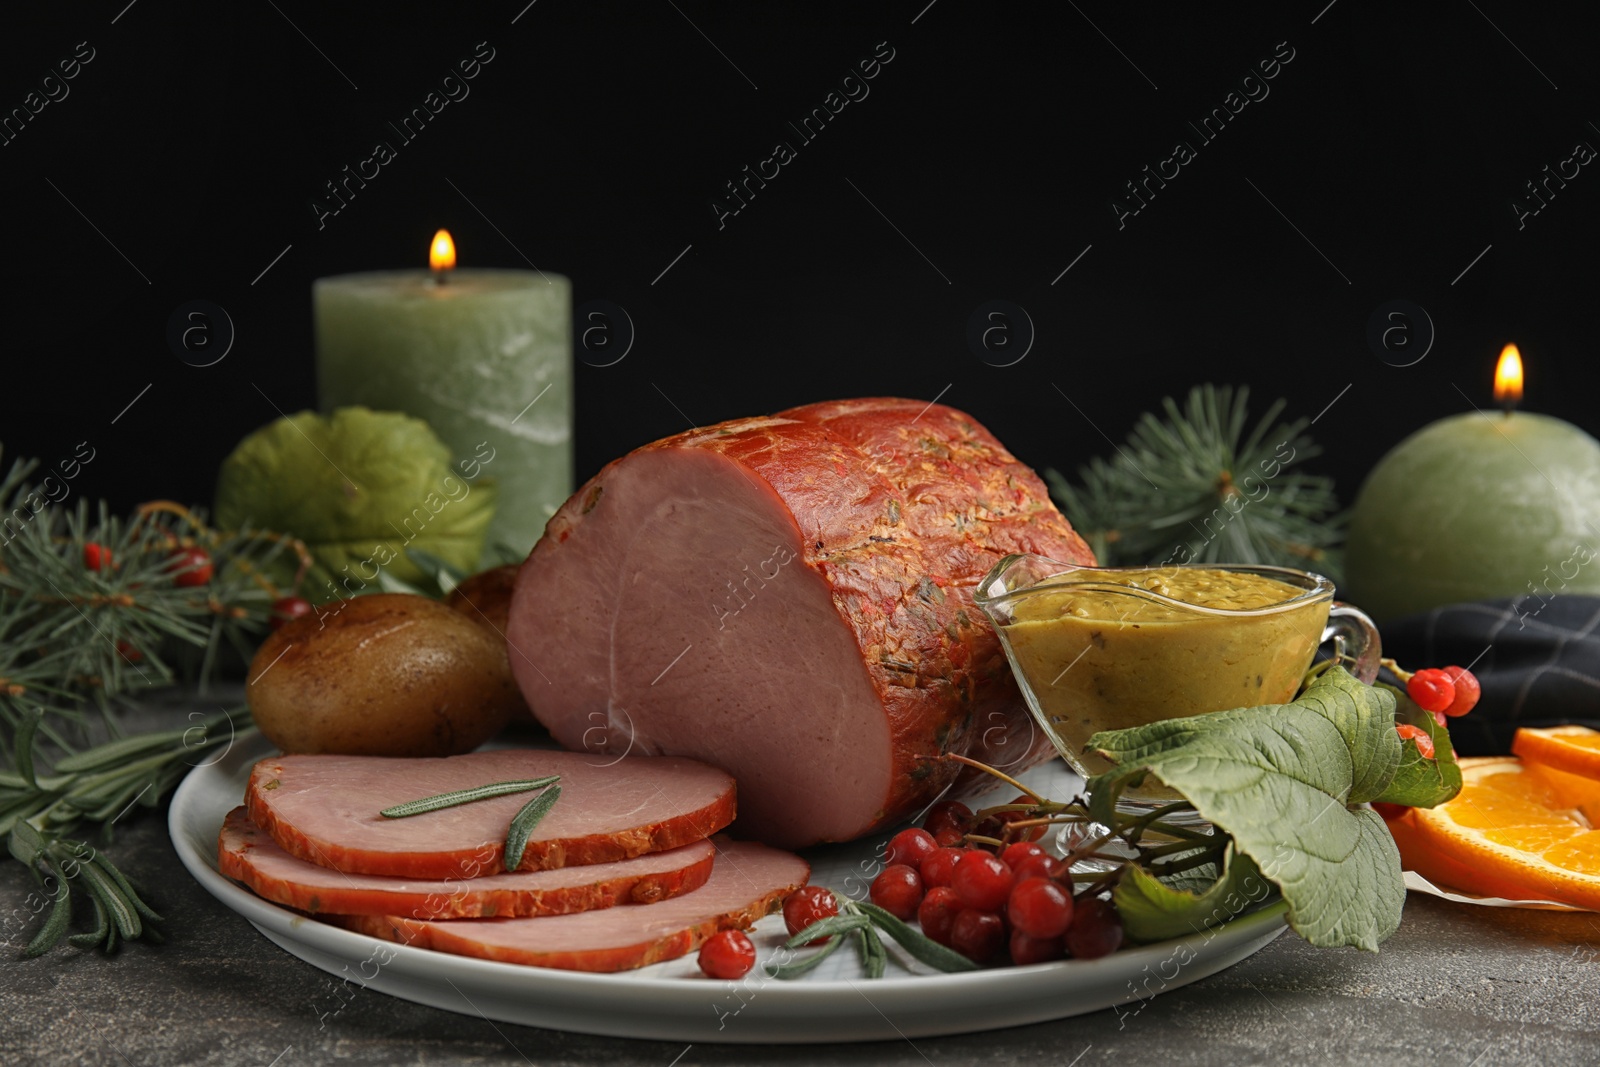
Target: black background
[{"x": 994, "y": 141}]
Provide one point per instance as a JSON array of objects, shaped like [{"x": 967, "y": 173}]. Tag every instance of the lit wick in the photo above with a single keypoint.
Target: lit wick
[
  {"x": 442, "y": 257},
  {"x": 1507, "y": 379}
]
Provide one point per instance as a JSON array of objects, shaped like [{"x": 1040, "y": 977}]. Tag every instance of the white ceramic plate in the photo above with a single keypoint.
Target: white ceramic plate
[{"x": 672, "y": 1001}]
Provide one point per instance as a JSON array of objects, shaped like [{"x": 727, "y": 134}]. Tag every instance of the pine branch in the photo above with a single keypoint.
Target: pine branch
[
  {"x": 94, "y": 610},
  {"x": 1196, "y": 488}
]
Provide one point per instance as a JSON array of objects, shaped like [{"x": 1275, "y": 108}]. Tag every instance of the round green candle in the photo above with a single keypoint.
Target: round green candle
[
  {"x": 1474, "y": 507},
  {"x": 484, "y": 356}
]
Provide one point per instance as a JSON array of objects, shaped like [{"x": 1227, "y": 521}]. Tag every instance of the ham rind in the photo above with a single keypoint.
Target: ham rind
[
  {"x": 790, "y": 598},
  {"x": 747, "y": 882},
  {"x": 247, "y": 854},
  {"x": 324, "y": 809}
]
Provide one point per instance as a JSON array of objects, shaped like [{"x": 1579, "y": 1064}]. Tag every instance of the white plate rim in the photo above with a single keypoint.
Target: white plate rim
[{"x": 804, "y": 1010}]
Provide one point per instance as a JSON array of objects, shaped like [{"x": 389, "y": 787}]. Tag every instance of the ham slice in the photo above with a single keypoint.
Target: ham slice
[
  {"x": 791, "y": 599},
  {"x": 248, "y": 855},
  {"x": 748, "y": 881},
  {"x": 324, "y": 809}
]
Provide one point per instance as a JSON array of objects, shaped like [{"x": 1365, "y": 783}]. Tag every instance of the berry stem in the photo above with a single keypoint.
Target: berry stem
[
  {"x": 1396, "y": 670},
  {"x": 985, "y": 768}
]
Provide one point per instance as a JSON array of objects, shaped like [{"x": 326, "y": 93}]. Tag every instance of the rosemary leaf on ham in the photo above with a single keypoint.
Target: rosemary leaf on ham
[
  {"x": 524, "y": 823},
  {"x": 467, "y": 796}
]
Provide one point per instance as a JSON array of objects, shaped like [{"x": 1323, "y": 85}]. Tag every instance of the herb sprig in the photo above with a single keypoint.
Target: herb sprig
[
  {"x": 522, "y": 824},
  {"x": 864, "y": 922},
  {"x": 466, "y": 796},
  {"x": 39, "y": 812}
]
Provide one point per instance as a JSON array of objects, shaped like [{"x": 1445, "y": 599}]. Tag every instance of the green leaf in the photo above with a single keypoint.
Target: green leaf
[
  {"x": 24, "y": 745},
  {"x": 1158, "y": 909},
  {"x": 467, "y": 796},
  {"x": 109, "y": 893},
  {"x": 25, "y": 842},
  {"x": 1364, "y": 717},
  {"x": 524, "y": 822},
  {"x": 915, "y": 942},
  {"x": 1279, "y": 779},
  {"x": 873, "y": 954},
  {"x": 56, "y": 925},
  {"x": 1421, "y": 782},
  {"x": 799, "y": 967},
  {"x": 359, "y": 487},
  {"x": 834, "y": 924},
  {"x": 102, "y": 927},
  {"x": 113, "y": 753}
]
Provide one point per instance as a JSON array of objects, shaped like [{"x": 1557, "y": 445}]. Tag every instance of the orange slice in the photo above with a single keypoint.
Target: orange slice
[
  {"x": 1517, "y": 830},
  {"x": 1574, "y": 749}
]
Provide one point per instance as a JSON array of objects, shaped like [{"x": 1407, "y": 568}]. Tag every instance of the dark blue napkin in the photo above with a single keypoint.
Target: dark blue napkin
[{"x": 1538, "y": 660}]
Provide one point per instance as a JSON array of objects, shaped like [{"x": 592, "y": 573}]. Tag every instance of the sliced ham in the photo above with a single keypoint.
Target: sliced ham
[
  {"x": 324, "y": 809},
  {"x": 747, "y": 882},
  {"x": 790, "y": 598},
  {"x": 247, "y": 854}
]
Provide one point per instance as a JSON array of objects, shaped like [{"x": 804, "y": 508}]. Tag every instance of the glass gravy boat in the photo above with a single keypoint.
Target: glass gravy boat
[{"x": 1103, "y": 648}]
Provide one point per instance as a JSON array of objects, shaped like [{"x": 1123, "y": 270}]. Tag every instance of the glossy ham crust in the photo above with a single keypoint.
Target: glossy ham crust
[
  {"x": 814, "y": 572},
  {"x": 747, "y": 882},
  {"x": 247, "y": 854},
  {"x": 324, "y": 809}
]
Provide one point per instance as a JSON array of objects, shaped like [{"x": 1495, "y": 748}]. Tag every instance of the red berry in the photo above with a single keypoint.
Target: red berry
[
  {"x": 1026, "y": 950},
  {"x": 938, "y": 911},
  {"x": 287, "y": 609},
  {"x": 1018, "y": 851},
  {"x": 1467, "y": 691},
  {"x": 193, "y": 567},
  {"x": 898, "y": 891},
  {"x": 1096, "y": 929},
  {"x": 910, "y": 847},
  {"x": 950, "y": 837},
  {"x": 939, "y": 866},
  {"x": 129, "y": 652},
  {"x": 1040, "y": 908},
  {"x": 1041, "y": 866},
  {"x": 1417, "y": 734},
  {"x": 1431, "y": 689},
  {"x": 982, "y": 881},
  {"x": 728, "y": 954},
  {"x": 96, "y": 557},
  {"x": 807, "y": 905},
  {"x": 978, "y": 935},
  {"x": 948, "y": 815}
]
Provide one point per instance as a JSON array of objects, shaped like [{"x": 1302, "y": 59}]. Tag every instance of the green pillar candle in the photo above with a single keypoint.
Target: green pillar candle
[
  {"x": 481, "y": 355},
  {"x": 1474, "y": 507}
]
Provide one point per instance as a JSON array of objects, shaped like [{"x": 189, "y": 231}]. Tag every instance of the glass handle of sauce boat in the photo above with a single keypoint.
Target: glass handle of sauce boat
[{"x": 1355, "y": 641}]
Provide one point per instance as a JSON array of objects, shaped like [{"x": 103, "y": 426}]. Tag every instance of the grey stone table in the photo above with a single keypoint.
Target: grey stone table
[{"x": 1457, "y": 986}]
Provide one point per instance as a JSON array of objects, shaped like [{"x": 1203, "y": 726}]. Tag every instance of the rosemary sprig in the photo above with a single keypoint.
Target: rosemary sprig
[
  {"x": 524, "y": 823},
  {"x": 466, "y": 796},
  {"x": 862, "y": 922},
  {"x": 96, "y": 786}
]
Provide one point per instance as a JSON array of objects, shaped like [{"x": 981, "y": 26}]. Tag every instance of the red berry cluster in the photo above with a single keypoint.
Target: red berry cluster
[
  {"x": 1017, "y": 905},
  {"x": 1442, "y": 692},
  {"x": 1448, "y": 691}
]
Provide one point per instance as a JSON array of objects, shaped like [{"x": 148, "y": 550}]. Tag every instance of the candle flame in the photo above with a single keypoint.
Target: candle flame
[
  {"x": 1508, "y": 377},
  {"x": 442, "y": 254}
]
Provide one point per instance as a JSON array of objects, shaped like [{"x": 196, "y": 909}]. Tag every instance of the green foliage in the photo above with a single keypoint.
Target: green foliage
[
  {"x": 1157, "y": 909},
  {"x": 74, "y": 639},
  {"x": 1196, "y": 488},
  {"x": 1286, "y": 782},
  {"x": 358, "y": 487}
]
